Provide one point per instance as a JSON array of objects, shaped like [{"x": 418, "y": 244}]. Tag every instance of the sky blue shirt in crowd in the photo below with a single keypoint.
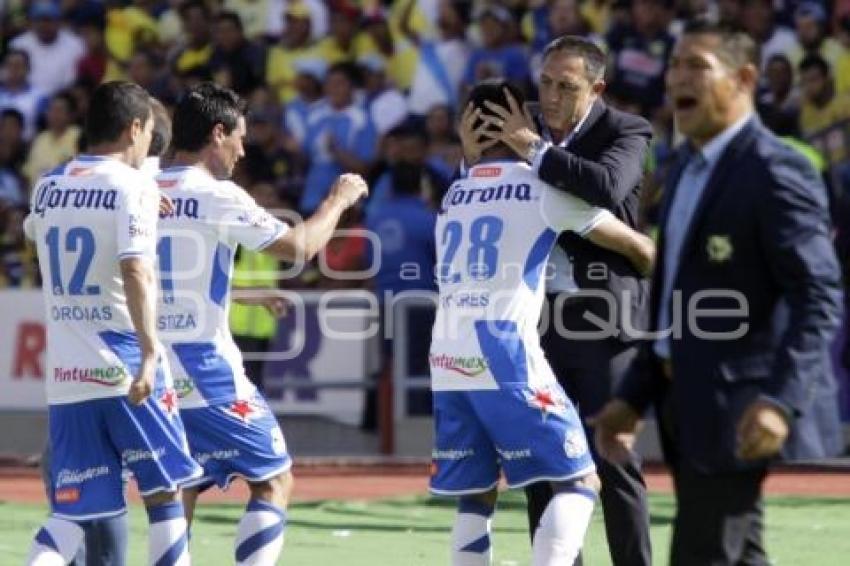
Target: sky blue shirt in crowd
[{"x": 687, "y": 195}]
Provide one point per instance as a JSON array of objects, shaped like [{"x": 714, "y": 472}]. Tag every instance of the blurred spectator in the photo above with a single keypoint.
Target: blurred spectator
[
  {"x": 145, "y": 69},
  {"x": 345, "y": 252},
  {"x": 842, "y": 65},
  {"x": 409, "y": 163},
  {"x": 779, "y": 106},
  {"x": 169, "y": 26},
  {"x": 16, "y": 91},
  {"x": 252, "y": 14},
  {"x": 236, "y": 62},
  {"x": 822, "y": 107},
  {"x": 553, "y": 19},
  {"x": 253, "y": 326},
  {"x": 639, "y": 54},
  {"x": 442, "y": 62},
  {"x": 759, "y": 20},
  {"x": 810, "y": 22},
  {"x": 13, "y": 145},
  {"x": 295, "y": 46},
  {"x": 58, "y": 142},
  {"x": 344, "y": 42},
  {"x": 17, "y": 256},
  {"x": 266, "y": 159},
  {"x": 276, "y": 23},
  {"x": 339, "y": 137},
  {"x": 309, "y": 78},
  {"x": 194, "y": 55},
  {"x": 730, "y": 13},
  {"x": 397, "y": 53},
  {"x": 80, "y": 12},
  {"x": 129, "y": 28},
  {"x": 53, "y": 50},
  {"x": 444, "y": 151},
  {"x": 498, "y": 55},
  {"x": 385, "y": 105},
  {"x": 92, "y": 67}
]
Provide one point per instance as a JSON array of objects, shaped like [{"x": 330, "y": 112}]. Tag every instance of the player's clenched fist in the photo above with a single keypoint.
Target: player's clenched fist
[
  {"x": 142, "y": 385},
  {"x": 349, "y": 188}
]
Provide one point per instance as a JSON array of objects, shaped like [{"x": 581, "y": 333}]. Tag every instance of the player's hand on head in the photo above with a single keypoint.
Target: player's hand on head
[
  {"x": 512, "y": 125},
  {"x": 142, "y": 385},
  {"x": 166, "y": 206},
  {"x": 615, "y": 431},
  {"x": 350, "y": 188},
  {"x": 475, "y": 140}
]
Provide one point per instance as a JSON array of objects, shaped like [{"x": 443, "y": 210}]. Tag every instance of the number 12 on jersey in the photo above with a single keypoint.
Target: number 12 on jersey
[{"x": 482, "y": 254}]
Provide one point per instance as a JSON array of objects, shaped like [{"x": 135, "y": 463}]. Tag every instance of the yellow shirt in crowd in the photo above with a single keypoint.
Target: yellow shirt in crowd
[
  {"x": 48, "y": 151},
  {"x": 814, "y": 119}
]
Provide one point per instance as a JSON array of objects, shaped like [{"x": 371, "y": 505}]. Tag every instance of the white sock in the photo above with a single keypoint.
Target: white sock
[
  {"x": 560, "y": 535},
  {"x": 259, "y": 537},
  {"x": 168, "y": 544},
  {"x": 56, "y": 543},
  {"x": 471, "y": 534}
]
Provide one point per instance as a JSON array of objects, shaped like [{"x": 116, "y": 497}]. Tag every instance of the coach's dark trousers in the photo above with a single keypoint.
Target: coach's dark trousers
[
  {"x": 589, "y": 372},
  {"x": 719, "y": 519}
]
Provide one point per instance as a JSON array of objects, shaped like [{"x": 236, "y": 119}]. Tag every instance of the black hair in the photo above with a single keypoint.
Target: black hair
[
  {"x": 112, "y": 109},
  {"x": 493, "y": 90},
  {"x": 735, "y": 48},
  {"x": 190, "y": 5},
  {"x": 350, "y": 70},
  {"x": 230, "y": 16},
  {"x": 814, "y": 61},
  {"x": 14, "y": 115},
  {"x": 199, "y": 110},
  {"x": 161, "y": 138},
  {"x": 590, "y": 53}
]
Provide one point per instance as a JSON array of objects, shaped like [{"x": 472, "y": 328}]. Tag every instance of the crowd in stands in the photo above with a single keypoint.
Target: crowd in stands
[{"x": 375, "y": 88}]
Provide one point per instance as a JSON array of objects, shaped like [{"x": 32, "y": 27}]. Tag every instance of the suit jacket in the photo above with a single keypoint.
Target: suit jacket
[
  {"x": 603, "y": 165},
  {"x": 761, "y": 234}
]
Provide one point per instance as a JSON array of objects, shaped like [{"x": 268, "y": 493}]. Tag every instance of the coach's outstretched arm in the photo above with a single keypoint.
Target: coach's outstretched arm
[
  {"x": 140, "y": 289},
  {"x": 616, "y": 236},
  {"x": 306, "y": 239}
]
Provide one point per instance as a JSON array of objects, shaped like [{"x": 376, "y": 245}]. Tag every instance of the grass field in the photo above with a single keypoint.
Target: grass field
[{"x": 414, "y": 531}]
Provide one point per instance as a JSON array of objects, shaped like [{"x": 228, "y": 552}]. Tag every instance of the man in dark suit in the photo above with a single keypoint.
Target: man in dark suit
[
  {"x": 596, "y": 153},
  {"x": 748, "y": 281}
]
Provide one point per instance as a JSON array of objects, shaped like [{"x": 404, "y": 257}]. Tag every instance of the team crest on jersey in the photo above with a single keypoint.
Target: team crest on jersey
[{"x": 546, "y": 400}]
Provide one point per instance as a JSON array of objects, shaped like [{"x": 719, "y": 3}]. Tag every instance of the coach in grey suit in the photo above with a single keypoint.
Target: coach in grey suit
[{"x": 748, "y": 279}]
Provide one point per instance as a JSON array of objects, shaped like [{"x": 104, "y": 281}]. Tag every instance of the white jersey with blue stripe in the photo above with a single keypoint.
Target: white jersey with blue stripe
[
  {"x": 87, "y": 215},
  {"x": 494, "y": 233},
  {"x": 196, "y": 248}
]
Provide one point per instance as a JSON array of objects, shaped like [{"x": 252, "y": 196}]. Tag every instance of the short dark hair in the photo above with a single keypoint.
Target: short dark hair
[
  {"x": 190, "y": 5},
  {"x": 113, "y": 107},
  {"x": 14, "y": 115},
  {"x": 814, "y": 61},
  {"x": 590, "y": 53},
  {"x": 735, "y": 48},
  {"x": 493, "y": 90},
  {"x": 350, "y": 70},
  {"x": 199, "y": 110},
  {"x": 19, "y": 53},
  {"x": 161, "y": 138},
  {"x": 230, "y": 16}
]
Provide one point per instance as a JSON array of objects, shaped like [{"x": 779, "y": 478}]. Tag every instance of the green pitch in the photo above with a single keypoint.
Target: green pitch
[{"x": 415, "y": 531}]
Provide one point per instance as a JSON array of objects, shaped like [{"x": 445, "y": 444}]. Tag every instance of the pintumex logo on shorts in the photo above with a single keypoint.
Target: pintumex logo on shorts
[
  {"x": 467, "y": 366},
  {"x": 109, "y": 376}
]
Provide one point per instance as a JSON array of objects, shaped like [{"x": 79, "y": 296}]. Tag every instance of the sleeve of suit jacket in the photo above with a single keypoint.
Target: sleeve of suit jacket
[
  {"x": 794, "y": 227},
  {"x": 607, "y": 179}
]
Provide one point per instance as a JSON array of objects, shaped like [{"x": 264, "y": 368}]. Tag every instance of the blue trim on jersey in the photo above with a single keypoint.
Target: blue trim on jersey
[
  {"x": 536, "y": 261},
  {"x": 505, "y": 160},
  {"x": 211, "y": 373},
  {"x": 58, "y": 170},
  {"x": 503, "y": 349},
  {"x": 91, "y": 158},
  {"x": 177, "y": 168},
  {"x": 220, "y": 282}
]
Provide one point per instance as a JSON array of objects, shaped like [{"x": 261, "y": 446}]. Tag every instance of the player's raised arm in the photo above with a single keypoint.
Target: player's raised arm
[
  {"x": 614, "y": 235},
  {"x": 305, "y": 240}
]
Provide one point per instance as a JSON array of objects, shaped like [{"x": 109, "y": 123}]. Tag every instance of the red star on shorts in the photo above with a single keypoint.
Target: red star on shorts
[
  {"x": 169, "y": 401},
  {"x": 544, "y": 400},
  {"x": 241, "y": 409}
]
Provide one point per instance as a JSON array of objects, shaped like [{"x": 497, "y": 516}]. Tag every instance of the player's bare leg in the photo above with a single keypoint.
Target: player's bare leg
[
  {"x": 259, "y": 537},
  {"x": 168, "y": 542},
  {"x": 471, "y": 532},
  {"x": 560, "y": 536},
  {"x": 190, "y": 498}
]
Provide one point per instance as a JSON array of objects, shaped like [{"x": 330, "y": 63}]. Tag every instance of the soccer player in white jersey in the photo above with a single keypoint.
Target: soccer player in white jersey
[
  {"x": 110, "y": 394},
  {"x": 497, "y": 404},
  {"x": 231, "y": 430}
]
